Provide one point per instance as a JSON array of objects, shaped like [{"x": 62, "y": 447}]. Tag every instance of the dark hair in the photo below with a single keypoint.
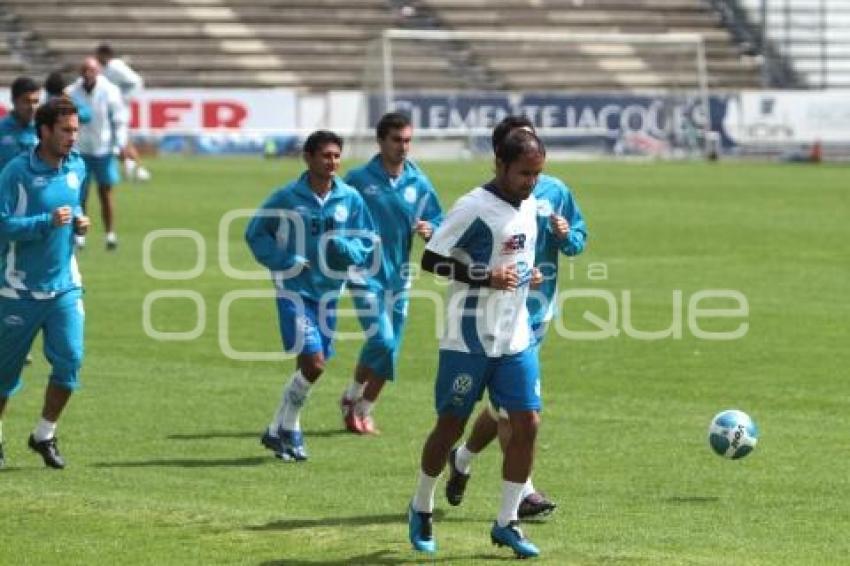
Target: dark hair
[
  {"x": 49, "y": 112},
  {"x": 319, "y": 139},
  {"x": 55, "y": 83},
  {"x": 105, "y": 50},
  {"x": 506, "y": 126},
  {"x": 23, "y": 85},
  {"x": 518, "y": 143},
  {"x": 391, "y": 121}
]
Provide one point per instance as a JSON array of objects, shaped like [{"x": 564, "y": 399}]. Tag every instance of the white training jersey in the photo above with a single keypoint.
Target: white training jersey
[
  {"x": 483, "y": 229},
  {"x": 128, "y": 81},
  {"x": 107, "y": 130}
]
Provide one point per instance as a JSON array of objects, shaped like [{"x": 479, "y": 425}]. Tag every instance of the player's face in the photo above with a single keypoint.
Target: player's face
[
  {"x": 89, "y": 71},
  {"x": 60, "y": 139},
  {"x": 324, "y": 162},
  {"x": 396, "y": 145},
  {"x": 517, "y": 179},
  {"x": 26, "y": 104}
]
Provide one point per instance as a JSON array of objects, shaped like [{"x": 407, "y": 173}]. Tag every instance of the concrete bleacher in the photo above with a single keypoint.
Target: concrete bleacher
[
  {"x": 330, "y": 44},
  {"x": 814, "y": 35}
]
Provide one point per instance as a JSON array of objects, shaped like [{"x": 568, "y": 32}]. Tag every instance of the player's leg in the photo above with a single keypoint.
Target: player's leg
[
  {"x": 515, "y": 389},
  {"x": 306, "y": 329},
  {"x": 106, "y": 173},
  {"x": 63, "y": 348},
  {"x": 89, "y": 160},
  {"x": 460, "y": 383},
  {"x": 19, "y": 323},
  {"x": 484, "y": 430}
]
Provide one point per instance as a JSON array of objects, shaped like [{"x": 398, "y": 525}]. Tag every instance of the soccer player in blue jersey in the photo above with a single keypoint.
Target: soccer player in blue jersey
[
  {"x": 312, "y": 235},
  {"x": 561, "y": 230},
  {"x": 40, "y": 286},
  {"x": 486, "y": 246},
  {"x": 17, "y": 128},
  {"x": 403, "y": 203}
]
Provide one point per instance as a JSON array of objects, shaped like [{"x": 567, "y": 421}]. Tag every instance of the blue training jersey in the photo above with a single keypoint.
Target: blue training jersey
[
  {"x": 553, "y": 196},
  {"x": 37, "y": 258},
  {"x": 15, "y": 138},
  {"x": 288, "y": 231},
  {"x": 396, "y": 206}
]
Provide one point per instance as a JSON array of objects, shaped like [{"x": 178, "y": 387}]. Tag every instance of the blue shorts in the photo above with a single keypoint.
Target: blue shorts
[
  {"x": 103, "y": 169},
  {"x": 306, "y": 327},
  {"x": 61, "y": 319},
  {"x": 538, "y": 332},
  {"x": 382, "y": 316},
  {"x": 513, "y": 382}
]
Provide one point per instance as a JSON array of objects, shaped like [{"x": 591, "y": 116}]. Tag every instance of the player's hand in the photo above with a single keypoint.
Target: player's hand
[
  {"x": 504, "y": 278},
  {"x": 424, "y": 229},
  {"x": 81, "y": 225},
  {"x": 560, "y": 226},
  {"x": 62, "y": 216},
  {"x": 536, "y": 278}
]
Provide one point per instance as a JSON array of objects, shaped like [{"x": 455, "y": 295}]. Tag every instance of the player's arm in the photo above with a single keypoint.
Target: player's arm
[
  {"x": 429, "y": 214},
  {"x": 573, "y": 241},
  {"x": 16, "y": 227},
  {"x": 129, "y": 80},
  {"x": 358, "y": 249},
  {"x": 262, "y": 238},
  {"x": 119, "y": 117}
]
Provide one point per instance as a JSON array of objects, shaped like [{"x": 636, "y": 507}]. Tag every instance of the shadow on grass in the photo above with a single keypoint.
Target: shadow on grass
[
  {"x": 691, "y": 499},
  {"x": 354, "y": 521},
  {"x": 190, "y": 463},
  {"x": 389, "y": 558},
  {"x": 250, "y": 434}
]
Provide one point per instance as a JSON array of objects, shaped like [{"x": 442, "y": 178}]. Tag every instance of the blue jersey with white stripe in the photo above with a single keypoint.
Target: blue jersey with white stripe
[
  {"x": 35, "y": 256},
  {"x": 553, "y": 197},
  {"x": 292, "y": 225},
  {"x": 396, "y": 206},
  {"x": 15, "y": 138}
]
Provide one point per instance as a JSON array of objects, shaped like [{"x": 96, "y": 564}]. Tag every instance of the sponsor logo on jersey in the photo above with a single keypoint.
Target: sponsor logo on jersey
[
  {"x": 340, "y": 213},
  {"x": 514, "y": 244},
  {"x": 13, "y": 320},
  {"x": 371, "y": 190},
  {"x": 39, "y": 182}
]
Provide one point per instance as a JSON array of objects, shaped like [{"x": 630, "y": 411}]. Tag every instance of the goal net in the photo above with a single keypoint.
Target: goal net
[{"x": 586, "y": 92}]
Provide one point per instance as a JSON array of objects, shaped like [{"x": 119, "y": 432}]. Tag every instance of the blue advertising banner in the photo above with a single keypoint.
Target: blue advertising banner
[{"x": 620, "y": 122}]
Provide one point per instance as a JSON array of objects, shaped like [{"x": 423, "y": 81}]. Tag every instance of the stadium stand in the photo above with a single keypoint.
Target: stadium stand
[{"x": 323, "y": 44}]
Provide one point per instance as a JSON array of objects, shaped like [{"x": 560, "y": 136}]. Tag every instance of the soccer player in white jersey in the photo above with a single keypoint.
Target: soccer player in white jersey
[
  {"x": 130, "y": 83},
  {"x": 105, "y": 133},
  {"x": 486, "y": 245}
]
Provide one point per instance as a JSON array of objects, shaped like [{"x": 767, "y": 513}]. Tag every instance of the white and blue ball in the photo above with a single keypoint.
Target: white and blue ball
[{"x": 732, "y": 434}]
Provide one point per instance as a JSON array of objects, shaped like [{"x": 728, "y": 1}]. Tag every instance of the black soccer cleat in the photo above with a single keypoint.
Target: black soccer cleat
[
  {"x": 535, "y": 506},
  {"x": 49, "y": 452},
  {"x": 457, "y": 481}
]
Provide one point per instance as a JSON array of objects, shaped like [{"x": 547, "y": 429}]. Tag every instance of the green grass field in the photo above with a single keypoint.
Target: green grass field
[{"x": 165, "y": 466}]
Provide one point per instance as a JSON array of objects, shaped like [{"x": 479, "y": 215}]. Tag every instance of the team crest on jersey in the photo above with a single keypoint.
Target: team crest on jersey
[
  {"x": 73, "y": 181},
  {"x": 514, "y": 244},
  {"x": 462, "y": 384},
  {"x": 544, "y": 207},
  {"x": 371, "y": 190},
  {"x": 410, "y": 194},
  {"x": 39, "y": 182},
  {"x": 340, "y": 213}
]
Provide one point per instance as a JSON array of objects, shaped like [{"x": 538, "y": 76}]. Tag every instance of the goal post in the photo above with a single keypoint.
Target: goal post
[{"x": 480, "y": 75}]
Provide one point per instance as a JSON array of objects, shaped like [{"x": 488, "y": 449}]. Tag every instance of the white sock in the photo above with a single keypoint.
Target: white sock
[
  {"x": 130, "y": 166},
  {"x": 44, "y": 430},
  {"x": 363, "y": 408},
  {"x": 527, "y": 489},
  {"x": 423, "y": 500},
  {"x": 354, "y": 390},
  {"x": 463, "y": 459},
  {"x": 288, "y": 416},
  {"x": 511, "y": 496},
  {"x": 111, "y": 237}
]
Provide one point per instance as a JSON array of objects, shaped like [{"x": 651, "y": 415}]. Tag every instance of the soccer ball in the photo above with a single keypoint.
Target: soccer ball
[{"x": 732, "y": 434}]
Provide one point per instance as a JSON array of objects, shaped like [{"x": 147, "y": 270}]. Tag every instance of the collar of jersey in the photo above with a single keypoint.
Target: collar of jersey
[
  {"x": 39, "y": 166},
  {"x": 377, "y": 168},
  {"x": 302, "y": 187},
  {"x": 491, "y": 188},
  {"x": 9, "y": 122}
]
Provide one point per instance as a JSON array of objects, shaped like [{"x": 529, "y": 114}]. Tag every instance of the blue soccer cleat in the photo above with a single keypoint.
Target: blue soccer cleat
[
  {"x": 419, "y": 528},
  {"x": 292, "y": 447},
  {"x": 510, "y": 535}
]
